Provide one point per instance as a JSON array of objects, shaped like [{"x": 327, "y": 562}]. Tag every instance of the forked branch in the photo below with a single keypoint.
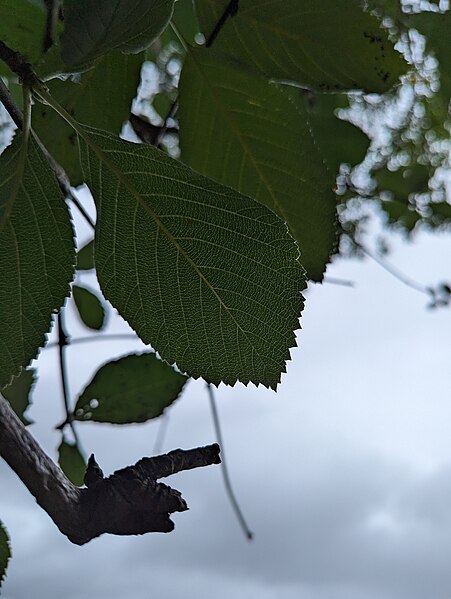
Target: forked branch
[{"x": 129, "y": 502}]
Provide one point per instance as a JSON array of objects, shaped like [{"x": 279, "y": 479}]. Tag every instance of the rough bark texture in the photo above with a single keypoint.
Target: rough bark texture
[{"x": 130, "y": 501}]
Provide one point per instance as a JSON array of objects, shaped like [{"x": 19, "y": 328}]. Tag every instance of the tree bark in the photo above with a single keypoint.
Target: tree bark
[{"x": 130, "y": 501}]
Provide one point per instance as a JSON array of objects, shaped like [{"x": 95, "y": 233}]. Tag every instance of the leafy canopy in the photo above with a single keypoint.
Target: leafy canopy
[{"x": 206, "y": 231}]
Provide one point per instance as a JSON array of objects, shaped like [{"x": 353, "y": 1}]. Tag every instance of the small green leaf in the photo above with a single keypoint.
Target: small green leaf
[
  {"x": 72, "y": 462},
  {"x": 329, "y": 45},
  {"x": 94, "y": 28},
  {"x": 134, "y": 388},
  {"x": 18, "y": 393},
  {"x": 85, "y": 256},
  {"x": 36, "y": 253},
  {"x": 255, "y": 136},
  {"x": 97, "y": 100},
  {"x": 89, "y": 307},
  {"x": 5, "y": 552},
  {"x": 22, "y": 27}
]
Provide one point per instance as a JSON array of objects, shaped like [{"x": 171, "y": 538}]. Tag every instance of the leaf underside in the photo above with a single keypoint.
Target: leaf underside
[
  {"x": 134, "y": 388},
  {"x": 94, "y": 28},
  {"x": 207, "y": 276},
  {"x": 255, "y": 136},
  {"x": 329, "y": 45},
  {"x": 36, "y": 254}
]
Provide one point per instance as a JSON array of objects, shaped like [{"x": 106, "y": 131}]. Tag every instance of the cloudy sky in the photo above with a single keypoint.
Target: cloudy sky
[{"x": 344, "y": 475}]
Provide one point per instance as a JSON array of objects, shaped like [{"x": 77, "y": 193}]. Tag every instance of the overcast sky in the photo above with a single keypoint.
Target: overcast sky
[{"x": 344, "y": 475}]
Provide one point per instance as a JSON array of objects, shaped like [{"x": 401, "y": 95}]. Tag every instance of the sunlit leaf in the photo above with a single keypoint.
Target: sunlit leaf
[
  {"x": 98, "y": 100},
  {"x": 72, "y": 462},
  {"x": 255, "y": 136},
  {"x": 5, "y": 552},
  {"x": 85, "y": 256},
  {"x": 329, "y": 45},
  {"x": 36, "y": 254},
  {"x": 94, "y": 28},
  {"x": 207, "y": 276},
  {"x": 18, "y": 393},
  {"x": 89, "y": 306},
  {"x": 134, "y": 388}
]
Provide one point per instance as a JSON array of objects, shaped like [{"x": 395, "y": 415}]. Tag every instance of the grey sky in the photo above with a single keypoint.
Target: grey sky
[{"x": 344, "y": 474}]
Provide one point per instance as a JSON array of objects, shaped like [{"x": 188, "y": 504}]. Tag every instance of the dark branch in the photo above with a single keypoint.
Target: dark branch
[
  {"x": 18, "y": 65},
  {"x": 7, "y": 100},
  {"x": 53, "y": 10},
  {"x": 147, "y": 132},
  {"x": 130, "y": 501},
  {"x": 230, "y": 11}
]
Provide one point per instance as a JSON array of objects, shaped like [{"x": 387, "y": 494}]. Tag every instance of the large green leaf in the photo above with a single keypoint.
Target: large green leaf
[
  {"x": 134, "y": 388},
  {"x": 5, "y": 552},
  {"x": 18, "y": 393},
  {"x": 101, "y": 99},
  {"x": 36, "y": 254},
  {"x": 252, "y": 135},
  {"x": 206, "y": 275},
  {"x": 22, "y": 28},
  {"x": 329, "y": 45},
  {"x": 89, "y": 306},
  {"x": 94, "y": 28},
  {"x": 72, "y": 462}
]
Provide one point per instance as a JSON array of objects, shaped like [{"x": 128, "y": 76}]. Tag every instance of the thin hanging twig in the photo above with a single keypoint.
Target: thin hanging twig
[
  {"x": 161, "y": 433},
  {"x": 63, "y": 341},
  {"x": 225, "y": 472}
]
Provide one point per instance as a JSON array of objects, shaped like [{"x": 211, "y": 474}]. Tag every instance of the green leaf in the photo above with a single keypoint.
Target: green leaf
[
  {"x": 329, "y": 45},
  {"x": 72, "y": 462},
  {"x": 89, "y": 306},
  {"x": 85, "y": 256},
  {"x": 22, "y": 28},
  {"x": 36, "y": 253},
  {"x": 255, "y": 136},
  {"x": 94, "y": 28},
  {"x": 404, "y": 181},
  {"x": 18, "y": 393},
  {"x": 97, "y": 100},
  {"x": 5, "y": 552},
  {"x": 436, "y": 28},
  {"x": 339, "y": 141},
  {"x": 208, "y": 277},
  {"x": 134, "y": 388}
]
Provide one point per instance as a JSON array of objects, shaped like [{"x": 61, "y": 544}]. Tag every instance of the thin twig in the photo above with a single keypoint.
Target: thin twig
[
  {"x": 335, "y": 281},
  {"x": 230, "y": 11},
  {"x": 50, "y": 23},
  {"x": 394, "y": 271},
  {"x": 7, "y": 100},
  {"x": 225, "y": 472},
  {"x": 82, "y": 211},
  {"x": 95, "y": 338},
  {"x": 161, "y": 433},
  {"x": 62, "y": 344}
]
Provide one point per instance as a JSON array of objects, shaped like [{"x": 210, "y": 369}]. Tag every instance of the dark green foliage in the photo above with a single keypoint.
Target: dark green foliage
[
  {"x": 72, "y": 462},
  {"x": 253, "y": 135},
  {"x": 330, "y": 45},
  {"x": 5, "y": 552},
  {"x": 18, "y": 393},
  {"x": 95, "y": 99},
  {"x": 134, "y": 388},
  {"x": 94, "y": 28},
  {"x": 89, "y": 306},
  {"x": 194, "y": 259},
  {"x": 36, "y": 253}
]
